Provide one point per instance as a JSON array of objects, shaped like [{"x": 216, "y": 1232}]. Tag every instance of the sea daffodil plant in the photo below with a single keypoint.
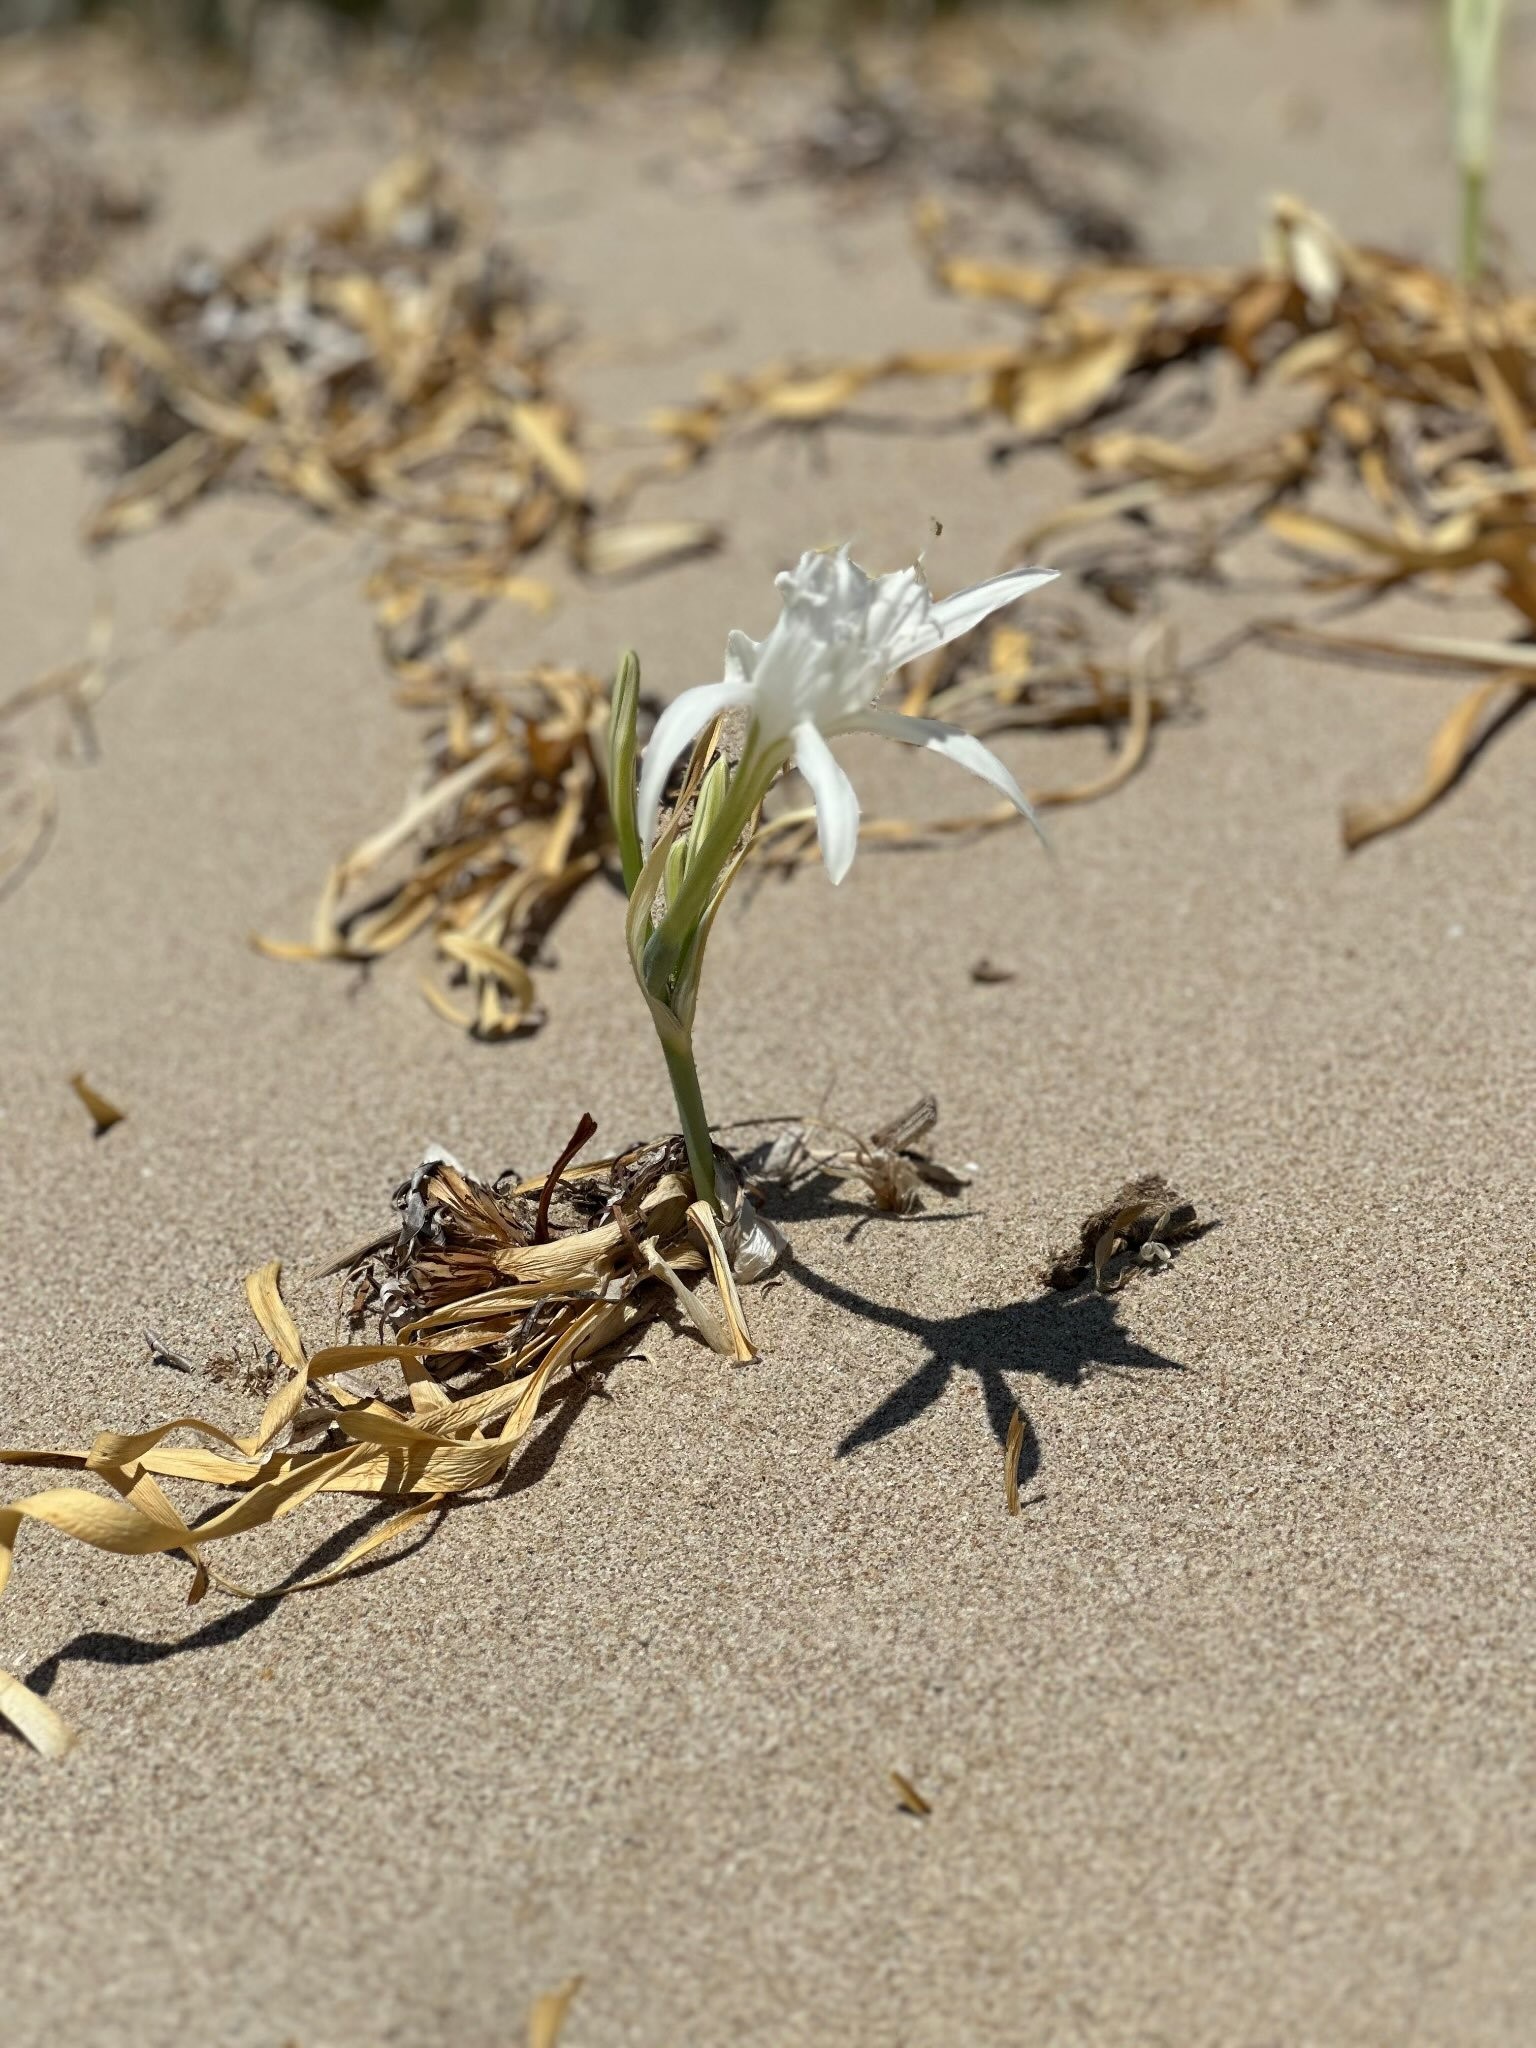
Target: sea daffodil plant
[{"x": 839, "y": 636}]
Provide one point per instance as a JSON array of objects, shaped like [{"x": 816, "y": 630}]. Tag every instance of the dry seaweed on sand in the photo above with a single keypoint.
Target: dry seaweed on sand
[
  {"x": 481, "y": 1295},
  {"x": 389, "y": 358},
  {"x": 1383, "y": 434},
  {"x": 1381, "y": 387},
  {"x": 510, "y": 821},
  {"x": 1140, "y": 1225},
  {"x": 892, "y": 1163},
  {"x": 389, "y": 365}
]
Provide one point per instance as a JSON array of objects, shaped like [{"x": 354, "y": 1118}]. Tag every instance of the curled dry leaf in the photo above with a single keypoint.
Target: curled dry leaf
[
  {"x": 1465, "y": 732},
  {"x": 481, "y": 1297},
  {"x": 103, "y": 1114}
]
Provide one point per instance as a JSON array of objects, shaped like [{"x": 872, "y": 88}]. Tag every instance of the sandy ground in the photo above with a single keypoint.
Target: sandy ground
[{"x": 1228, "y": 1736}]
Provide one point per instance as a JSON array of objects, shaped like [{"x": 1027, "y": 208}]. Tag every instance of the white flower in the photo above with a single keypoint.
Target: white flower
[{"x": 818, "y": 674}]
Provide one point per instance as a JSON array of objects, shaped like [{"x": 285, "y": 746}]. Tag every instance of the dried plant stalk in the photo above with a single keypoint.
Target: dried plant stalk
[{"x": 1013, "y": 1449}]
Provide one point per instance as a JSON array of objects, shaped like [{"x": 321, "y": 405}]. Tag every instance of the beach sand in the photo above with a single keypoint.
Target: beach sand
[{"x": 1228, "y": 1735}]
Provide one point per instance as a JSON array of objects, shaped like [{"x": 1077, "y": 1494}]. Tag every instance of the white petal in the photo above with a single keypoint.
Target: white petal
[
  {"x": 954, "y": 615},
  {"x": 957, "y": 745},
  {"x": 678, "y": 727},
  {"x": 837, "y": 807},
  {"x": 741, "y": 654}
]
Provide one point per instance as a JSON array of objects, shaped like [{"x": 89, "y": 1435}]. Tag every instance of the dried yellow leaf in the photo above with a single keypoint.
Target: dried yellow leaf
[
  {"x": 104, "y": 1114},
  {"x": 624, "y": 550},
  {"x": 908, "y": 1796},
  {"x": 1012, "y": 1451},
  {"x": 547, "y": 2018}
]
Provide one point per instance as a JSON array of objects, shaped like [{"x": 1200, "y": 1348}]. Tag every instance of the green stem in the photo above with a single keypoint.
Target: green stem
[
  {"x": 690, "y": 1108},
  {"x": 1472, "y": 184}
]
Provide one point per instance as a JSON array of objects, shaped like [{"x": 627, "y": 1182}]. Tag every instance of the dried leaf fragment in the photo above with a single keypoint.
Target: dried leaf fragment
[
  {"x": 1138, "y": 1225},
  {"x": 547, "y": 2019},
  {"x": 626, "y": 549},
  {"x": 1464, "y": 732},
  {"x": 33, "y": 1719},
  {"x": 103, "y": 1114},
  {"x": 909, "y": 1798},
  {"x": 1013, "y": 1448}
]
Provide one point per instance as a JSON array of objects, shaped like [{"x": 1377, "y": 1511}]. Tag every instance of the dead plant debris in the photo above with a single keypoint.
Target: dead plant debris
[
  {"x": 510, "y": 823},
  {"x": 1392, "y": 444},
  {"x": 103, "y": 1114},
  {"x": 546, "y": 2021},
  {"x": 1000, "y": 123},
  {"x": 908, "y": 1798},
  {"x": 891, "y": 1162},
  {"x": 475, "y": 1310},
  {"x": 1139, "y": 1226},
  {"x": 390, "y": 366},
  {"x": 1013, "y": 1451}
]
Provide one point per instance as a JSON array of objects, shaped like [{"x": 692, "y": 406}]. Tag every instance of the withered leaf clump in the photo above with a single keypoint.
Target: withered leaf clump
[
  {"x": 481, "y": 1294},
  {"x": 1136, "y": 1226},
  {"x": 390, "y": 365},
  {"x": 1369, "y": 375},
  {"x": 891, "y": 1163},
  {"x": 511, "y": 821}
]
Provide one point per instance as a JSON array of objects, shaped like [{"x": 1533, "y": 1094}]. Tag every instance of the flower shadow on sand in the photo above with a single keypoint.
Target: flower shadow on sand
[{"x": 1063, "y": 1338}]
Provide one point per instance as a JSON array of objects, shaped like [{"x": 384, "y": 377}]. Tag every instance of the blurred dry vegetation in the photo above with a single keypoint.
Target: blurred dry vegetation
[{"x": 239, "y": 27}]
